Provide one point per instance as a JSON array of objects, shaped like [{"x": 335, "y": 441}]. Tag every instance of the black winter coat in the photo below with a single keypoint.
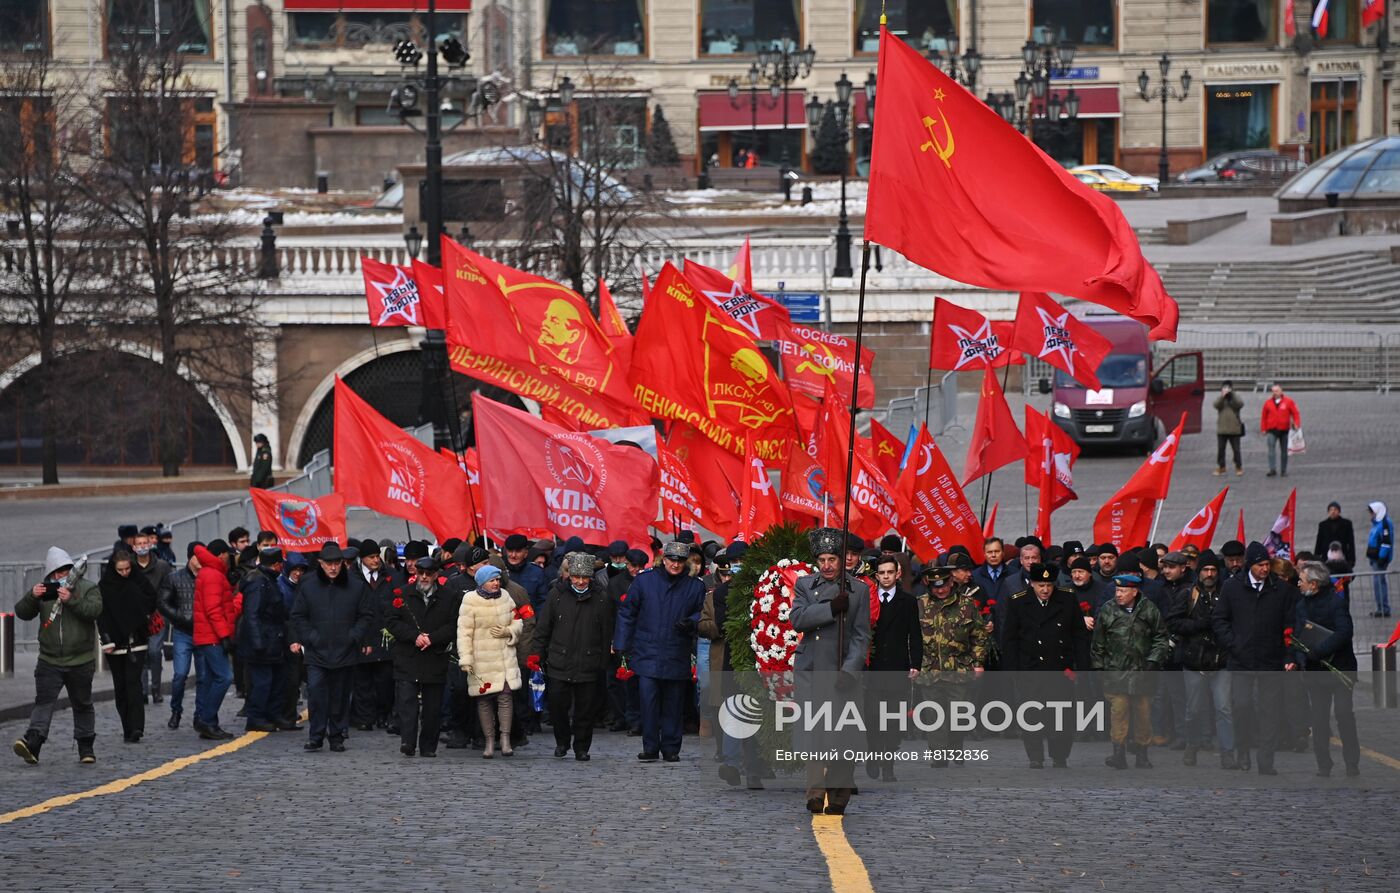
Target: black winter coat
[
  {"x": 1190, "y": 624},
  {"x": 1328, "y": 608},
  {"x": 573, "y": 634},
  {"x": 262, "y": 637},
  {"x": 127, "y": 605},
  {"x": 897, "y": 641},
  {"x": 1250, "y": 624},
  {"x": 332, "y": 619},
  {"x": 1053, "y": 637},
  {"x": 381, "y": 593},
  {"x": 1338, "y": 531},
  {"x": 408, "y": 614}
]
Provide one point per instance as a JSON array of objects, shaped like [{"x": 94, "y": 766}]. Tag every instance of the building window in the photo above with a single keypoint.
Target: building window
[
  {"x": 1240, "y": 21},
  {"x": 729, "y": 27},
  {"x": 1342, "y": 22},
  {"x": 595, "y": 28},
  {"x": 1333, "y": 116},
  {"x": 26, "y": 131},
  {"x": 1239, "y": 116},
  {"x": 328, "y": 30},
  {"x": 1085, "y": 23},
  {"x": 24, "y": 26},
  {"x": 612, "y": 131},
  {"x": 140, "y": 134},
  {"x": 133, "y": 23},
  {"x": 925, "y": 24}
]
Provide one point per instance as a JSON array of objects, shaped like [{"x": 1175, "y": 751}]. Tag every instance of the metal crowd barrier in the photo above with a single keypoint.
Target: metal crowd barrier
[{"x": 936, "y": 405}]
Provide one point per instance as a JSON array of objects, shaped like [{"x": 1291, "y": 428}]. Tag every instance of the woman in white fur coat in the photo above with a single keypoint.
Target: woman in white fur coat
[{"x": 487, "y": 630}]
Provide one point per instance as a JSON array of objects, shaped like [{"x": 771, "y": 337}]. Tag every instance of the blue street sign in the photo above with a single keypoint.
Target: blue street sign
[
  {"x": 1086, "y": 73},
  {"x": 802, "y": 306}
]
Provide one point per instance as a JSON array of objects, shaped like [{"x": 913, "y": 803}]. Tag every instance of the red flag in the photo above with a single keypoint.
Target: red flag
[
  {"x": 301, "y": 524},
  {"x": 716, "y": 476},
  {"x": 760, "y": 316},
  {"x": 1290, "y": 24},
  {"x": 1049, "y": 332},
  {"x": 1200, "y": 530},
  {"x": 1280, "y": 540},
  {"x": 934, "y": 513},
  {"x": 1007, "y": 216},
  {"x": 1239, "y": 528},
  {"x": 535, "y": 474},
  {"x": 429, "y": 279},
  {"x": 679, "y": 503},
  {"x": 1126, "y": 519},
  {"x": 759, "y": 508},
  {"x": 692, "y": 363},
  {"x": 887, "y": 449},
  {"x": 804, "y": 484},
  {"x": 808, "y": 415},
  {"x": 382, "y": 467},
  {"x": 613, "y": 326},
  {"x": 965, "y": 339},
  {"x": 1049, "y": 467},
  {"x": 833, "y": 444},
  {"x": 990, "y": 528},
  {"x": 874, "y": 506},
  {"x": 742, "y": 269},
  {"x": 392, "y": 294},
  {"x": 996, "y": 441},
  {"x": 1372, "y": 11},
  {"x": 812, "y": 357}
]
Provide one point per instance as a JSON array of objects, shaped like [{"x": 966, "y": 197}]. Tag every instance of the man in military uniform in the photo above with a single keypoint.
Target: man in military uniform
[
  {"x": 831, "y": 610},
  {"x": 262, "y": 464},
  {"x": 955, "y": 651},
  {"x": 1046, "y": 642}
]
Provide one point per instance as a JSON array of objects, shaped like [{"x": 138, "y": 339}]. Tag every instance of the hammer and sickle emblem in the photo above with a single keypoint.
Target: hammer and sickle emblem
[
  {"x": 809, "y": 365},
  {"x": 944, "y": 151}
]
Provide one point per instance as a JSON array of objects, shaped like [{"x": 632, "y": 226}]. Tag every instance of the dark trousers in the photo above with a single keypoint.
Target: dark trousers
[
  {"x": 1220, "y": 441},
  {"x": 663, "y": 711},
  {"x": 264, "y": 692},
  {"x": 1045, "y": 687},
  {"x": 126, "y": 690},
  {"x": 1327, "y": 693},
  {"x": 834, "y": 780},
  {"x": 573, "y": 709},
  {"x": 373, "y": 701},
  {"x": 328, "y": 701},
  {"x": 49, "y": 680},
  {"x": 1257, "y": 698},
  {"x": 885, "y": 687},
  {"x": 293, "y": 672},
  {"x": 415, "y": 702}
]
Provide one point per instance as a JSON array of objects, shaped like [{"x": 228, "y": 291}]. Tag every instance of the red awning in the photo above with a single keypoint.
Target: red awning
[
  {"x": 1095, "y": 101},
  {"x": 374, "y": 5},
  {"x": 858, "y": 106},
  {"x": 718, "y": 113}
]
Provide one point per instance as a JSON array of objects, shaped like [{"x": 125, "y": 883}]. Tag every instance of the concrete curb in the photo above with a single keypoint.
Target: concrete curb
[{"x": 136, "y": 487}]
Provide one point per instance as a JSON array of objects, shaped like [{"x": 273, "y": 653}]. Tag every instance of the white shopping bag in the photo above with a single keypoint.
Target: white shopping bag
[{"x": 1295, "y": 442}]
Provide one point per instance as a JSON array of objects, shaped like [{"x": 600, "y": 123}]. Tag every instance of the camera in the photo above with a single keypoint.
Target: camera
[{"x": 50, "y": 590}]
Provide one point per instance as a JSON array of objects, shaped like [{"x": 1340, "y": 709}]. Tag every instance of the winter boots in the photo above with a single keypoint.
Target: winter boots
[
  {"x": 1119, "y": 759},
  {"x": 28, "y": 747},
  {"x": 486, "y": 715},
  {"x": 1140, "y": 760},
  {"x": 85, "y": 752},
  {"x": 506, "y": 712},
  {"x": 1189, "y": 758}
]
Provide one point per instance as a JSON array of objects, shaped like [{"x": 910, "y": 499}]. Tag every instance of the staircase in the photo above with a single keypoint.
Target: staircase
[{"x": 1353, "y": 288}]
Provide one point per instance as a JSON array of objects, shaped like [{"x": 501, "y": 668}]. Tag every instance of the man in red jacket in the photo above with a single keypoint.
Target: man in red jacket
[
  {"x": 1276, "y": 419},
  {"x": 215, "y": 615}
]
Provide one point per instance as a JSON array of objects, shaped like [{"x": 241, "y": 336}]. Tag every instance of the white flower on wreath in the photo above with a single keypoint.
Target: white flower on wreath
[
  {"x": 765, "y": 604},
  {"x": 784, "y": 613}
]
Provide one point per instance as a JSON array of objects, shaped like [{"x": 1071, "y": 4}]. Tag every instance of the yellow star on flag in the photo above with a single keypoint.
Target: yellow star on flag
[{"x": 938, "y": 94}]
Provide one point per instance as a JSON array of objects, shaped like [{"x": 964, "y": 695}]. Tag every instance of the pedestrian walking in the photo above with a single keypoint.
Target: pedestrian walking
[
  {"x": 896, "y": 653},
  {"x": 487, "y": 630},
  {"x": 1206, "y": 680},
  {"x": 263, "y": 642},
  {"x": 655, "y": 630},
  {"x": 157, "y": 571},
  {"x": 1278, "y": 417},
  {"x": 1046, "y": 643},
  {"x": 571, "y": 645},
  {"x": 1322, "y": 632},
  {"x": 1335, "y": 529},
  {"x": 953, "y": 650},
  {"x": 68, "y": 607},
  {"x": 372, "y": 704},
  {"x": 1228, "y": 427},
  {"x": 176, "y": 605},
  {"x": 422, "y": 619},
  {"x": 128, "y": 601},
  {"x": 262, "y": 463},
  {"x": 1130, "y": 644},
  {"x": 215, "y": 616},
  {"x": 331, "y": 625},
  {"x": 1380, "y": 549}
]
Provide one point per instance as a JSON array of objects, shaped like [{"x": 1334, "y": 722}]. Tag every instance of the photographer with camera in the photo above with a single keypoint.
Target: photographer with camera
[{"x": 68, "y": 607}]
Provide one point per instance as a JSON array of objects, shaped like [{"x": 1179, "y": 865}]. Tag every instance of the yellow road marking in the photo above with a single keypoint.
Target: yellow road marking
[
  {"x": 1375, "y": 755},
  {"x": 847, "y": 871},
  {"x": 122, "y": 784}
]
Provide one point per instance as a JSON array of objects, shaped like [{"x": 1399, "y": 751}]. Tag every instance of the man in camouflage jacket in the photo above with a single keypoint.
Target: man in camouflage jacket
[{"x": 955, "y": 651}]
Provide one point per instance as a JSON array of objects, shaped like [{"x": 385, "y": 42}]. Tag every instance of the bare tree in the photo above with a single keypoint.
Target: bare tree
[
  {"x": 189, "y": 299},
  {"x": 46, "y": 284}
]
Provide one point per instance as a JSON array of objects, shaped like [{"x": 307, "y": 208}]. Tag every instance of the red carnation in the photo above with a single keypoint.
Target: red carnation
[
  {"x": 524, "y": 612},
  {"x": 694, "y": 676},
  {"x": 398, "y": 603},
  {"x": 1288, "y": 637},
  {"x": 442, "y": 581},
  {"x": 484, "y": 686},
  {"x": 1085, "y": 607},
  {"x": 622, "y": 597},
  {"x": 398, "y": 591},
  {"x": 533, "y": 662},
  {"x": 991, "y": 601}
]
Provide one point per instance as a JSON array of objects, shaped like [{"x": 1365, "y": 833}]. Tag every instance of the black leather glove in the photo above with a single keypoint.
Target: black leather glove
[
  {"x": 685, "y": 626},
  {"x": 841, "y": 602}
]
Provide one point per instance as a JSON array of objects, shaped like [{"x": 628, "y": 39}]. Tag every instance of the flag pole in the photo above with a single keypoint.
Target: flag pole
[
  {"x": 987, "y": 485},
  {"x": 1151, "y": 537},
  {"x": 851, "y": 445}
]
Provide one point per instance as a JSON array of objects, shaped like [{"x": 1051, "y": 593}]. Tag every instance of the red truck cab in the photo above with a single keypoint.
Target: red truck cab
[{"x": 1136, "y": 404}]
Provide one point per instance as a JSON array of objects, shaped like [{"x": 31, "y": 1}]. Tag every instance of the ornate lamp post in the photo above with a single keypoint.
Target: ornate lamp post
[
  {"x": 1162, "y": 93},
  {"x": 780, "y": 65},
  {"x": 752, "y": 78},
  {"x": 962, "y": 69},
  {"x": 816, "y": 110},
  {"x": 1033, "y": 100}
]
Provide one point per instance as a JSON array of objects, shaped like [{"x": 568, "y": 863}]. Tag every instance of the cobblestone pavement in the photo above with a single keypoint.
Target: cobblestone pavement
[{"x": 271, "y": 815}]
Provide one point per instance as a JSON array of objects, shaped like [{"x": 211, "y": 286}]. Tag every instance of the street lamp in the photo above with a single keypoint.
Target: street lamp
[
  {"x": 962, "y": 69},
  {"x": 413, "y": 241},
  {"x": 1162, "y": 93},
  {"x": 1033, "y": 100},
  {"x": 781, "y": 64},
  {"x": 752, "y": 78},
  {"x": 816, "y": 111}
]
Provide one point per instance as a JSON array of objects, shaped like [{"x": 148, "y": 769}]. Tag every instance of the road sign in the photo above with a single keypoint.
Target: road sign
[{"x": 802, "y": 306}]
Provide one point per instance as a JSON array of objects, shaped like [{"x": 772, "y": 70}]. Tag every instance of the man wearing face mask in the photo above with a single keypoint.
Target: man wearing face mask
[
  {"x": 157, "y": 572},
  {"x": 69, "y": 607},
  {"x": 654, "y": 630},
  {"x": 571, "y": 647}
]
